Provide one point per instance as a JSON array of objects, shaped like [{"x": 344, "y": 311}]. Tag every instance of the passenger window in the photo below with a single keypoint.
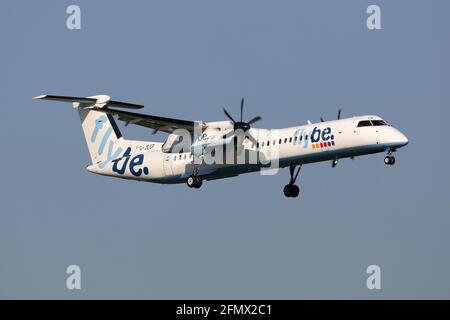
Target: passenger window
[
  {"x": 279, "y": 142},
  {"x": 290, "y": 139},
  {"x": 268, "y": 143},
  {"x": 378, "y": 123},
  {"x": 262, "y": 144},
  {"x": 285, "y": 140},
  {"x": 295, "y": 138},
  {"x": 185, "y": 157},
  {"x": 365, "y": 123},
  {"x": 181, "y": 156},
  {"x": 175, "y": 158},
  {"x": 257, "y": 145}
]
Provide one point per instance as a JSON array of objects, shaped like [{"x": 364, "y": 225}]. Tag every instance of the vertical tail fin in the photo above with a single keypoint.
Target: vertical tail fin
[{"x": 103, "y": 137}]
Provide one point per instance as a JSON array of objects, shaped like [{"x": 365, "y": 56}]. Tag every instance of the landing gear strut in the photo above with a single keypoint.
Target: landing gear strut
[
  {"x": 291, "y": 190},
  {"x": 194, "y": 181},
  {"x": 389, "y": 159},
  {"x": 334, "y": 163}
]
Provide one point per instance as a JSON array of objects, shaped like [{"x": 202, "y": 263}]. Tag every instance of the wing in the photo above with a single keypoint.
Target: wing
[
  {"x": 103, "y": 103},
  {"x": 156, "y": 123}
]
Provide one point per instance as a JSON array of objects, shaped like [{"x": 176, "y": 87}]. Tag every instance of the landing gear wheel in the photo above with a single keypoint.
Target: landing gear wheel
[
  {"x": 295, "y": 191},
  {"x": 389, "y": 160},
  {"x": 392, "y": 161},
  {"x": 198, "y": 183},
  {"x": 287, "y": 191},
  {"x": 291, "y": 191},
  {"x": 194, "y": 182},
  {"x": 190, "y": 181}
]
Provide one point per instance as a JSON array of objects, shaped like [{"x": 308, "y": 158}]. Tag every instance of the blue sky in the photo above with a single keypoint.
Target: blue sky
[{"x": 293, "y": 61}]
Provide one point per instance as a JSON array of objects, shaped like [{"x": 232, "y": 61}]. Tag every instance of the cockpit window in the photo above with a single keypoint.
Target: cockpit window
[
  {"x": 378, "y": 123},
  {"x": 365, "y": 123}
]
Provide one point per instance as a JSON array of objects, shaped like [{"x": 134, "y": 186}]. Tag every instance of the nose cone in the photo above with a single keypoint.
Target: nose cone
[{"x": 401, "y": 140}]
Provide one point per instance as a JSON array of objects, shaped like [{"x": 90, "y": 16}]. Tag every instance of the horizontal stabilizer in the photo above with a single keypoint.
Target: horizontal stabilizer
[
  {"x": 103, "y": 100},
  {"x": 67, "y": 99}
]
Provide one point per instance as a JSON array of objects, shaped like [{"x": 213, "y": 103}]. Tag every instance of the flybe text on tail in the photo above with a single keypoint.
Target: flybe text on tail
[
  {"x": 111, "y": 153},
  {"x": 103, "y": 132}
]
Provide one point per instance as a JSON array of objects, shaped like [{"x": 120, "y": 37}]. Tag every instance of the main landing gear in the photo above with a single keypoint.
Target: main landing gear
[
  {"x": 390, "y": 159},
  {"x": 291, "y": 190},
  {"x": 194, "y": 182}
]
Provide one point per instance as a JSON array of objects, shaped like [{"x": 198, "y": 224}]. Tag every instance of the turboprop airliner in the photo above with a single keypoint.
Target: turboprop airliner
[{"x": 195, "y": 151}]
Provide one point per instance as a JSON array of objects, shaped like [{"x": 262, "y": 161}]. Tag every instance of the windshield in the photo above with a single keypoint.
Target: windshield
[
  {"x": 365, "y": 123},
  {"x": 368, "y": 123},
  {"x": 378, "y": 123}
]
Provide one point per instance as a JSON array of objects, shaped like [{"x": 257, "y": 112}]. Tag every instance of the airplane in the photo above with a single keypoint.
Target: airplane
[{"x": 195, "y": 151}]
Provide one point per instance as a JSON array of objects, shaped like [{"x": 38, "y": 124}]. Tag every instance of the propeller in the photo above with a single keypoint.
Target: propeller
[
  {"x": 338, "y": 115},
  {"x": 335, "y": 161},
  {"x": 242, "y": 125}
]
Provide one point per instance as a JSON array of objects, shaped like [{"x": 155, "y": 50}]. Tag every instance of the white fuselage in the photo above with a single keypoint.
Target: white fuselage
[{"x": 310, "y": 143}]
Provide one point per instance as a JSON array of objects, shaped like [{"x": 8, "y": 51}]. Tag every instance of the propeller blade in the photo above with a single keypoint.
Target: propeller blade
[
  {"x": 242, "y": 107},
  {"x": 228, "y": 115},
  {"x": 321, "y": 119},
  {"x": 339, "y": 113},
  {"x": 255, "y": 119}
]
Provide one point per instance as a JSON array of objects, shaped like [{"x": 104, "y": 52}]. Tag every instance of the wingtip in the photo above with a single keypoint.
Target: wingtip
[{"x": 40, "y": 97}]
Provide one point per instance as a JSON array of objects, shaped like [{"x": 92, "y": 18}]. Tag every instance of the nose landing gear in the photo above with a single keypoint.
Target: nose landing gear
[
  {"x": 389, "y": 159},
  {"x": 291, "y": 190}
]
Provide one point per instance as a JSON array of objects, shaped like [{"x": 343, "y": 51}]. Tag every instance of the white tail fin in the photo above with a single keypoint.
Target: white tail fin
[{"x": 103, "y": 138}]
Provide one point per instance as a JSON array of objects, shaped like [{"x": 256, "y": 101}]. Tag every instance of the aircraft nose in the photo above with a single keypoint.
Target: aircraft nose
[{"x": 401, "y": 140}]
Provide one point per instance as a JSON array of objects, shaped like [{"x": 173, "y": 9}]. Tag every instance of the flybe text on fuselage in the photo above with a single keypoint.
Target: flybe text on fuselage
[{"x": 319, "y": 138}]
